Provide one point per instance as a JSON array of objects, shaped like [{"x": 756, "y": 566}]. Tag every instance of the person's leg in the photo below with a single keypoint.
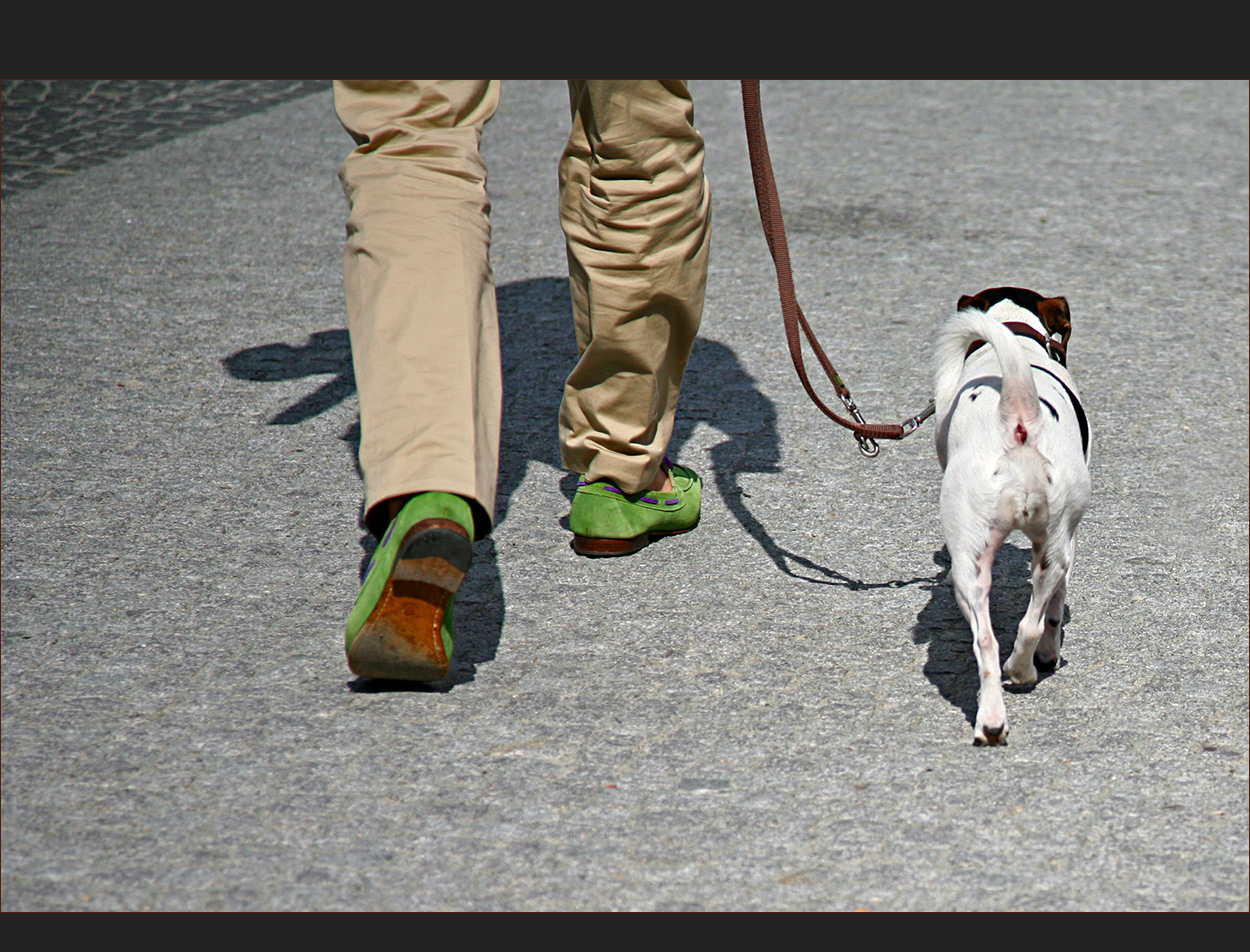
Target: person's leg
[
  {"x": 635, "y": 208},
  {"x": 425, "y": 345},
  {"x": 420, "y": 293}
]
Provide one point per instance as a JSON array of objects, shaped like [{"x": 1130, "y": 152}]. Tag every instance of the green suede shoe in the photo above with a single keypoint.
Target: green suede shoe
[
  {"x": 400, "y": 627},
  {"x": 606, "y": 521}
]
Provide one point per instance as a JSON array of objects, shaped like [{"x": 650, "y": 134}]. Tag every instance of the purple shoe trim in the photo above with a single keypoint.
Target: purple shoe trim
[
  {"x": 606, "y": 485},
  {"x": 389, "y": 530},
  {"x": 671, "y": 502},
  {"x": 654, "y": 502}
]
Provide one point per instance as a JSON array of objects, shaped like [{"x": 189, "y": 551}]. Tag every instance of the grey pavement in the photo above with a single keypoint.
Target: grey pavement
[{"x": 773, "y": 712}]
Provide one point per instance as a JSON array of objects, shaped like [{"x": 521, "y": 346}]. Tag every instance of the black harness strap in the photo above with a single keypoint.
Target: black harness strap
[{"x": 1076, "y": 405}]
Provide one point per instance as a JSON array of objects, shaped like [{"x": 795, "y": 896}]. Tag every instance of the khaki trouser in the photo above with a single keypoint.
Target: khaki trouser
[{"x": 635, "y": 209}]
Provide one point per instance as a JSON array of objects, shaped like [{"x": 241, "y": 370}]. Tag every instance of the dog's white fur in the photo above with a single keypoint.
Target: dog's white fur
[{"x": 1008, "y": 464}]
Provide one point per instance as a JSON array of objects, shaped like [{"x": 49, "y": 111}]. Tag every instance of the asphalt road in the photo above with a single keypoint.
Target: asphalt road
[{"x": 773, "y": 712}]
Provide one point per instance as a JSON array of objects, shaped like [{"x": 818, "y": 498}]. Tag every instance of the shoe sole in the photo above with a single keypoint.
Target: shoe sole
[
  {"x": 402, "y": 639},
  {"x": 607, "y": 548}
]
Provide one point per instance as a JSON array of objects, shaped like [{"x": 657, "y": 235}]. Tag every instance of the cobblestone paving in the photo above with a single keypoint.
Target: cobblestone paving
[{"x": 58, "y": 127}]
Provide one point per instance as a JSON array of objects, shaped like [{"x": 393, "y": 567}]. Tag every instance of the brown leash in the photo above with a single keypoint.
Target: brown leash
[{"x": 866, "y": 434}]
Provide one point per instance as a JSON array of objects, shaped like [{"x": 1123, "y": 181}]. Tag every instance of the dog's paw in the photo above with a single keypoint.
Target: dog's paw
[
  {"x": 1044, "y": 661},
  {"x": 1020, "y": 672},
  {"x": 991, "y": 726},
  {"x": 990, "y": 736},
  {"x": 1047, "y": 655}
]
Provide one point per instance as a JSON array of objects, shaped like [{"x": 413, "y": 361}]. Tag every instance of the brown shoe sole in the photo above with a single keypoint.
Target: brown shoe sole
[
  {"x": 606, "y": 548},
  {"x": 402, "y": 639}
]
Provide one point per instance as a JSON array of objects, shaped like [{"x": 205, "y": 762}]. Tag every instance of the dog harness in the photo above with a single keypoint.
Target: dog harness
[{"x": 1076, "y": 406}]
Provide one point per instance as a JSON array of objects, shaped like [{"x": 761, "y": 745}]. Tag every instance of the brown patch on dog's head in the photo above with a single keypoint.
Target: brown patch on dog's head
[
  {"x": 1054, "y": 313},
  {"x": 984, "y": 300},
  {"x": 1056, "y": 316}
]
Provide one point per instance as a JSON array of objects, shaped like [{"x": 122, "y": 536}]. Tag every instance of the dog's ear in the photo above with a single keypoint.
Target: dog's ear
[
  {"x": 969, "y": 300},
  {"x": 1056, "y": 316}
]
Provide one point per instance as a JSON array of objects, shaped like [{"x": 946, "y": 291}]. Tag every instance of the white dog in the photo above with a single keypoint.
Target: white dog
[{"x": 1013, "y": 442}]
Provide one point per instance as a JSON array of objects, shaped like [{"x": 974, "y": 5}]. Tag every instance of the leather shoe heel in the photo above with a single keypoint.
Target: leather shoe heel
[{"x": 401, "y": 626}]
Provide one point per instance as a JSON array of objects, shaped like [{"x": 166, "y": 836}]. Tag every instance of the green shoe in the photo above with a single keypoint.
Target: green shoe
[
  {"x": 607, "y": 521},
  {"x": 400, "y": 627}
]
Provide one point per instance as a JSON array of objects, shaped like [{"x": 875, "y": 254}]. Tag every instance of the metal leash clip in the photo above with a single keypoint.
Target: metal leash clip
[
  {"x": 912, "y": 424},
  {"x": 867, "y": 445}
]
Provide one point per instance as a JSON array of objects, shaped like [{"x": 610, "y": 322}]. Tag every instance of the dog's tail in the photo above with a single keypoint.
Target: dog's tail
[{"x": 1018, "y": 402}]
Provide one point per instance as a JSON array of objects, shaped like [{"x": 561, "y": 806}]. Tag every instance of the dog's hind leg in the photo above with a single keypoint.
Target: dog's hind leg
[
  {"x": 1050, "y": 645},
  {"x": 972, "y": 578},
  {"x": 1050, "y": 573}
]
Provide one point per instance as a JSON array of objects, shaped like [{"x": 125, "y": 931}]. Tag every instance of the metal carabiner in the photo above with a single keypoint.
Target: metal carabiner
[
  {"x": 867, "y": 445},
  {"x": 912, "y": 424}
]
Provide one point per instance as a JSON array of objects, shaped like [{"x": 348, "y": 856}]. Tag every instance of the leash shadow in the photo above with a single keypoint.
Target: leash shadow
[{"x": 790, "y": 562}]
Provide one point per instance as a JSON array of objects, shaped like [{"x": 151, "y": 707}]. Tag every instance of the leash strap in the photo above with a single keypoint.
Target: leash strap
[{"x": 775, "y": 233}]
